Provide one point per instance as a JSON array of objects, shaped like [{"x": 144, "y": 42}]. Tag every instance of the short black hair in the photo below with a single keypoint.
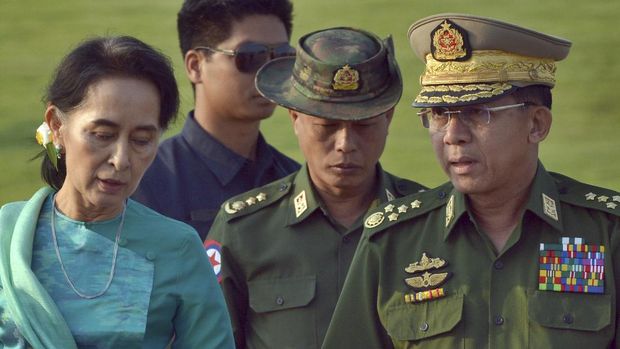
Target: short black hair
[
  {"x": 99, "y": 58},
  {"x": 537, "y": 94},
  {"x": 208, "y": 22}
]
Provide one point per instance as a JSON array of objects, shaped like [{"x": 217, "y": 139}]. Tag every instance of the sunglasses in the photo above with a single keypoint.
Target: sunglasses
[{"x": 250, "y": 56}]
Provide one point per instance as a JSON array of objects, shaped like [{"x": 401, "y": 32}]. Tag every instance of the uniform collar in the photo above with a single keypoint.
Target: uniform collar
[
  {"x": 223, "y": 162},
  {"x": 304, "y": 200},
  {"x": 543, "y": 201}
]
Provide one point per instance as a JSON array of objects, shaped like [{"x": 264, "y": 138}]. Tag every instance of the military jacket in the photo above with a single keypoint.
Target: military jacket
[
  {"x": 284, "y": 260},
  {"x": 427, "y": 277}
]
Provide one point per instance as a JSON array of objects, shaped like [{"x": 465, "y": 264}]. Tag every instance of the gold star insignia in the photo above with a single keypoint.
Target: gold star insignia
[
  {"x": 603, "y": 198},
  {"x": 392, "y": 217},
  {"x": 250, "y": 201},
  {"x": 402, "y": 208},
  {"x": 261, "y": 197},
  {"x": 612, "y": 205},
  {"x": 416, "y": 204},
  {"x": 590, "y": 196},
  {"x": 389, "y": 208},
  {"x": 616, "y": 198}
]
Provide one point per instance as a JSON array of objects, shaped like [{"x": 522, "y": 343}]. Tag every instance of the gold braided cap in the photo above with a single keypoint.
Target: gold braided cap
[{"x": 475, "y": 59}]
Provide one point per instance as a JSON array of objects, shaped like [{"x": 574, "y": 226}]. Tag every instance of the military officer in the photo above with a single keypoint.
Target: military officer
[
  {"x": 506, "y": 254},
  {"x": 282, "y": 251}
]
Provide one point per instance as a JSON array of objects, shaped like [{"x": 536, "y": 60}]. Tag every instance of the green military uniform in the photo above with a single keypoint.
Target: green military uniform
[
  {"x": 284, "y": 260},
  {"x": 487, "y": 299}
]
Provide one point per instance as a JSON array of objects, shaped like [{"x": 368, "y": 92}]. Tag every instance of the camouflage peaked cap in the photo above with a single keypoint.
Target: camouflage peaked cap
[
  {"x": 337, "y": 73},
  {"x": 472, "y": 60}
]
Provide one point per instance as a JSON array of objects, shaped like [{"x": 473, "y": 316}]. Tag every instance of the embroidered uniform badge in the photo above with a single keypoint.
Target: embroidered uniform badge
[
  {"x": 214, "y": 252},
  {"x": 300, "y": 203},
  {"x": 571, "y": 266},
  {"x": 449, "y": 42},
  {"x": 549, "y": 207},
  {"x": 346, "y": 78},
  {"x": 374, "y": 220}
]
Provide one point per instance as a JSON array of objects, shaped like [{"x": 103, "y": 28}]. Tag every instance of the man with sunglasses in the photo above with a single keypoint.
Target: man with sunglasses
[
  {"x": 286, "y": 247},
  {"x": 220, "y": 151},
  {"x": 506, "y": 254}
]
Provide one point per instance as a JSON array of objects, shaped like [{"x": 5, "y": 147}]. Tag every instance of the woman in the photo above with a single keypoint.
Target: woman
[{"x": 81, "y": 265}]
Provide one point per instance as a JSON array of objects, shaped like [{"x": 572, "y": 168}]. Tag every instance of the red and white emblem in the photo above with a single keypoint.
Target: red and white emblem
[{"x": 214, "y": 252}]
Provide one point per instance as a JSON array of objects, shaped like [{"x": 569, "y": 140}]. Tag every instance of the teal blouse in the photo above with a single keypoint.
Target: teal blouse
[{"x": 163, "y": 285}]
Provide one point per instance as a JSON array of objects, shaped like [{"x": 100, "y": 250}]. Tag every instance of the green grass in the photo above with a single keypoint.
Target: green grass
[{"x": 585, "y": 138}]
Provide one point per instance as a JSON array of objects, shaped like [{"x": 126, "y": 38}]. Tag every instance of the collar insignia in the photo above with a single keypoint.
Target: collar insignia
[
  {"x": 571, "y": 266},
  {"x": 450, "y": 211},
  {"x": 300, "y": 203},
  {"x": 346, "y": 78},
  {"x": 549, "y": 207},
  {"x": 389, "y": 195},
  {"x": 450, "y": 42}
]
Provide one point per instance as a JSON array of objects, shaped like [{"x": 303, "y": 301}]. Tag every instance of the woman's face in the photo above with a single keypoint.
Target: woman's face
[{"x": 108, "y": 143}]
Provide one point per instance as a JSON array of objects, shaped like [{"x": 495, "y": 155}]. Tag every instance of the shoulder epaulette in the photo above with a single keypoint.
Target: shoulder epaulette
[
  {"x": 585, "y": 195},
  {"x": 405, "y": 208},
  {"x": 256, "y": 199}
]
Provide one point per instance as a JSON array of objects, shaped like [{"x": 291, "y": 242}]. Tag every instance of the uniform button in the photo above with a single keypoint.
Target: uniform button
[
  {"x": 150, "y": 255},
  {"x": 283, "y": 187},
  {"x": 499, "y": 320},
  {"x": 424, "y": 327},
  {"x": 441, "y": 194},
  {"x": 279, "y": 300},
  {"x": 567, "y": 318},
  {"x": 499, "y": 265}
]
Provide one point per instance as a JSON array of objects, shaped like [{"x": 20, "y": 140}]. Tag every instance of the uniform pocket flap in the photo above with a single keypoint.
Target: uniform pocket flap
[
  {"x": 426, "y": 319},
  {"x": 280, "y": 294},
  {"x": 576, "y": 311}
]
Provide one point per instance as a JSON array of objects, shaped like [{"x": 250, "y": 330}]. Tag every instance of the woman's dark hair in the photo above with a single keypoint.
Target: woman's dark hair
[{"x": 103, "y": 57}]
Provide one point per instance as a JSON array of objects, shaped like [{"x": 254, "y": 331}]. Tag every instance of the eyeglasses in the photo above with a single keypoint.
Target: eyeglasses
[
  {"x": 250, "y": 56},
  {"x": 438, "y": 118}
]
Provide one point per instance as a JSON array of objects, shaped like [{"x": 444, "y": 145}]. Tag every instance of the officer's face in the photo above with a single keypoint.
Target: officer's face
[
  {"x": 497, "y": 158},
  {"x": 222, "y": 90},
  {"x": 341, "y": 155}
]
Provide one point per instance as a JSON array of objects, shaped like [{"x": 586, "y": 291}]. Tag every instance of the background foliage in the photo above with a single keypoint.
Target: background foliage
[{"x": 584, "y": 142}]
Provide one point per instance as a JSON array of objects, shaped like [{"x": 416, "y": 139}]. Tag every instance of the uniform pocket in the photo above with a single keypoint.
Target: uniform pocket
[
  {"x": 434, "y": 321},
  {"x": 569, "y": 320},
  {"x": 281, "y": 316}
]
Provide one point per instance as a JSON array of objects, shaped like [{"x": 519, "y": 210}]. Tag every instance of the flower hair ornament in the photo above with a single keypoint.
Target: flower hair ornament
[{"x": 46, "y": 139}]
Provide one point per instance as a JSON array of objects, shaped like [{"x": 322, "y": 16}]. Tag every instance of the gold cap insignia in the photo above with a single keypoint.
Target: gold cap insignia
[
  {"x": 425, "y": 263},
  {"x": 450, "y": 43},
  {"x": 346, "y": 78},
  {"x": 300, "y": 203},
  {"x": 549, "y": 207},
  {"x": 374, "y": 220}
]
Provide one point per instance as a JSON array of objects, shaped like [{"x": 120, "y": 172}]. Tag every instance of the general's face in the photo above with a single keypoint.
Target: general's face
[
  {"x": 341, "y": 155},
  {"x": 225, "y": 90},
  {"x": 487, "y": 159},
  {"x": 109, "y": 142}
]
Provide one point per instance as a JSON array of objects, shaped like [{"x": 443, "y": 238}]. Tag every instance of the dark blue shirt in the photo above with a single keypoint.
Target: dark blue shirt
[{"x": 193, "y": 174}]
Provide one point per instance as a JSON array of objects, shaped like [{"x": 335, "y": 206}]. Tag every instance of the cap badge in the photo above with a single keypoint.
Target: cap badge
[
  {"x": 449, "y": 42},
  {"x": 346, "y": 79}
]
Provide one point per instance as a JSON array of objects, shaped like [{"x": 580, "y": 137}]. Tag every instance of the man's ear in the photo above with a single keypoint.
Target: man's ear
[
  {"x": 294, "y": 117},
  {"x": 540, "y": 123},
  {"x": 55, "y": 123},
  {"x": 192, "y": 66}
]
